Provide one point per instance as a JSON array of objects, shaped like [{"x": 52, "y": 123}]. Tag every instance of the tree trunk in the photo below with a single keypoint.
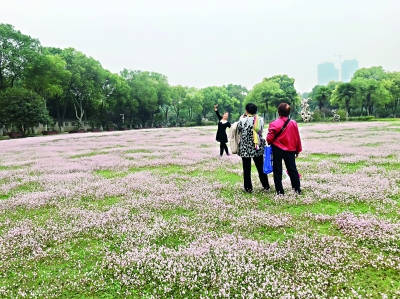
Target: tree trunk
[
  {"x": 368, "y": 103},
  {"x": 396, "y": 103}
]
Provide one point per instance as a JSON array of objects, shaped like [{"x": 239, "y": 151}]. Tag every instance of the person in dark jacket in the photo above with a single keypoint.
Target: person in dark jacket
[
  {"x": 287, "y": 147},
  {"x": 221, "y": 137}
]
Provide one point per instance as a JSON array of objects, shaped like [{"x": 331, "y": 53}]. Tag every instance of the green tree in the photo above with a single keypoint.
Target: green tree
[
  {"x": 322, "y": 96},
  {"x": 193, "y": 102},
  {"x": 238, "y": 92},
  {"x": 265, "y": 95},
  {"x": 17, "y": 51},
  {"x": 22, "y": 109},
  {"x": 369, "y": 83},
  {"x": 286, "y": 84},
  {"x": 113, "y": 96},
  {"x": 46, "y": 76},
  {"x": 178, "y": 95},
  {"x": 143, "y": 98},
  {"x": 343, "y": 95},
  {"x": 393, "y": 86}
]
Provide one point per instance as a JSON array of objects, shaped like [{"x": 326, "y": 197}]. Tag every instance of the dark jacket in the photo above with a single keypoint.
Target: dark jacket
[{"x": 221, "y": 132}]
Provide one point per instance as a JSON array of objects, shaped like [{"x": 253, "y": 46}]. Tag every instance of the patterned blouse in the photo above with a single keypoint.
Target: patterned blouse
[{"x": 246, "y": 145}]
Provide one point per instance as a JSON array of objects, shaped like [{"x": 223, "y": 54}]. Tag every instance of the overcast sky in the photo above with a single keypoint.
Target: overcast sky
[{"x": 215, "y": 42}]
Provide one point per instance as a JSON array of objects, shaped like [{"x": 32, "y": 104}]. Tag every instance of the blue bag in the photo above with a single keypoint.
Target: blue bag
[{"x": 268, "y": 159}]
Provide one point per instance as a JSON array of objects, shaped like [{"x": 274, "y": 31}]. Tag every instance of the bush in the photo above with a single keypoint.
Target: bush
[
  {"x": 361, "y": 118},
  {"x": 191, "y": 124},
  {"x": 317, "y": 116},
  {"x": 342, "y": 114},
  {"x": 208, "y": 123}
]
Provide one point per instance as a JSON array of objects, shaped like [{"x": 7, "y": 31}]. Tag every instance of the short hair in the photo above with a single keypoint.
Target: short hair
[
  {"x": 251, "y": 108},
  {"x": 284, "y": 109}
]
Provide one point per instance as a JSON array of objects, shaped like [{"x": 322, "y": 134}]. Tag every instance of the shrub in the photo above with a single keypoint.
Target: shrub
[
  {"x": 342, "y": 114},
  {"x": 362, "y": 118}
]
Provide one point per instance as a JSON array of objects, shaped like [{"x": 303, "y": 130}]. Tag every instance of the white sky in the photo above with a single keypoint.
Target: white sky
[{"x": 215, "y": 42}]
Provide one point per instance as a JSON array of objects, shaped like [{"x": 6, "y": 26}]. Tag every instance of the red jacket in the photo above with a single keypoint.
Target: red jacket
[{"x": 289, "y": 139}]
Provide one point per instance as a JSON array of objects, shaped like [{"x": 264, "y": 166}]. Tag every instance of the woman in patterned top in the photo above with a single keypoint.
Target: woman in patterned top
[
  {"x": 251, "y": 146},
  {"x": 221, "y": 137}
]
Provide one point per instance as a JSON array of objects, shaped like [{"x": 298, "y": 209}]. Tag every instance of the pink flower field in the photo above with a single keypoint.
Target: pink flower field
[{"x": 158, "y": 214}]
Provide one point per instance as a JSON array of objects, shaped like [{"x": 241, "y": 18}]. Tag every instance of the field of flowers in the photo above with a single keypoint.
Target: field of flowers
[{"x": 158, "y": 214}]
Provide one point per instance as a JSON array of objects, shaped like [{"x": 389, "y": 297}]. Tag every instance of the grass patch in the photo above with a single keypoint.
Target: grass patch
[
  {"x": 272, "y": 235},
  {"x": 374, "y": 282},
  {"x": 109, "y": 174},
  {"x": 138, "y": 151},
  {"x": 178, "y": 211},
  {"x": 320, "y": 156},
  {"x": 87, "y": 155},
  {"x": 101, "y": 203},
  {"x": 322, "y": 207},
  {"x": 353, "y": 167}
]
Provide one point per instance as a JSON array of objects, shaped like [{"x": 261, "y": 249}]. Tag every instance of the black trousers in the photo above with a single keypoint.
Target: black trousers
[
  {"x": 222, "y": 147},
  {"x": 290, "y": 162},
  {"x": 259, "y": 161}
]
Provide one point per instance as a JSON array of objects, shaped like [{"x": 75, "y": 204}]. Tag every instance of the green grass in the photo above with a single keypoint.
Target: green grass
[{"x": 88, "y": 155}]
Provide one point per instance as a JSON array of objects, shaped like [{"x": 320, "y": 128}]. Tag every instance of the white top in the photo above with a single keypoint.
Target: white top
[{"x": 223, "y": 121}]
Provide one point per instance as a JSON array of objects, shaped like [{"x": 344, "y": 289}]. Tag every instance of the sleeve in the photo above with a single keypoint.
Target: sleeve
[
  {"x": 228, "y": 124},
  {"x": 271, "y": 133},
  {"x": 240, "y": 126},
  {"x": 218, "y": 115},
  {"x": 299, "y": 148}
]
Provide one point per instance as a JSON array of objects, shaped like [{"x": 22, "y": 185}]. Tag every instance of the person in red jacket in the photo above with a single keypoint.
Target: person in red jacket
[{"x": 287, "y": 147}]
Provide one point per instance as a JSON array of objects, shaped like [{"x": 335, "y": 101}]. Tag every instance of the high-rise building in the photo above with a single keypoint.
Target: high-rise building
[
  {"x": 349, "y": 67},
  {"x": 327, "y": 72}
]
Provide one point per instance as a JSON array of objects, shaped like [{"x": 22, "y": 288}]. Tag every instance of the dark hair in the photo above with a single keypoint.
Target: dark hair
[
  {"x": 251, "y": 108},
  {"x": 225, "y": 112},
  {"x": 284, "y": 109}
]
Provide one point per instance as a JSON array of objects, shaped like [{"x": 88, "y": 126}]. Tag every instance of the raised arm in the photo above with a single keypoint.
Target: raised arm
[{"x": 216, "y": 112}]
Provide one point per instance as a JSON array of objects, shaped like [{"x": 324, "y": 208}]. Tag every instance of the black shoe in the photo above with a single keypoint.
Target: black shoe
[{"x": 248, "y": 190}]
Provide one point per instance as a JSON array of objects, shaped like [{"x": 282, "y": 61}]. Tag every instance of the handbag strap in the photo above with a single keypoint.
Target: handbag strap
[{"x": 282, "y": 129}]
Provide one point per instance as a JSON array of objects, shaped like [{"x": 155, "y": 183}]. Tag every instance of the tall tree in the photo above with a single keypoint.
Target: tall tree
[
  {"x": 17, "y": 51},
  {"x": 393, "y": 86},
  {"x": 343, "y": 95},
  {"x": 143, "y": 98},
  {"x": 178, "y": 95},
  {"x": 322, "y": 96},
  {"x": 113, "y": 95},
  {"x": 370, "y": 82},
  {"x": 286, "y": 84},
  {"x": 193, "y": 102},
  {"x": 22, "y": 109},
  {"x": 265, "y": 95}
]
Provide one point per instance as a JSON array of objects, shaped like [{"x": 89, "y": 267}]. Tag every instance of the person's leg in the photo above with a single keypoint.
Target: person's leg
[
  {"x": 277, "y": 154},
  {"x": 259, "y": 161},
  {"x": 226, "y": 149},
  {"x": 248, "y": 187},
  {"x": 221, "y": 148},
  {"x": 290, "y": 162}
]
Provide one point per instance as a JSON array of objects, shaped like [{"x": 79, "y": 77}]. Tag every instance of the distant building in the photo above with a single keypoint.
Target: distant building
[
  {"x": 349, "y": 67},
  {"x": 327, "y": 72}
]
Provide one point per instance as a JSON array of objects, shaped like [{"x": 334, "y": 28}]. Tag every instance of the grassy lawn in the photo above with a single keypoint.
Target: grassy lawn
[{"x": 116, "y": 216}]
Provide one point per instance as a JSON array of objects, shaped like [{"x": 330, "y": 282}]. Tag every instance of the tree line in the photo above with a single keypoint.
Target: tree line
[
  {"x": 372, "y": 92},
  {"x": 50, "y": 85}
]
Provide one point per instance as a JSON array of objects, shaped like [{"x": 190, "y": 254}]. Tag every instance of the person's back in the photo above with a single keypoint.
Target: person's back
[
  {"x": 251, "y": 146},
  {"x": 286, "y": 146},
  {"x": 289, "y": 139},
  {"x": 247, "y": 148}
]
